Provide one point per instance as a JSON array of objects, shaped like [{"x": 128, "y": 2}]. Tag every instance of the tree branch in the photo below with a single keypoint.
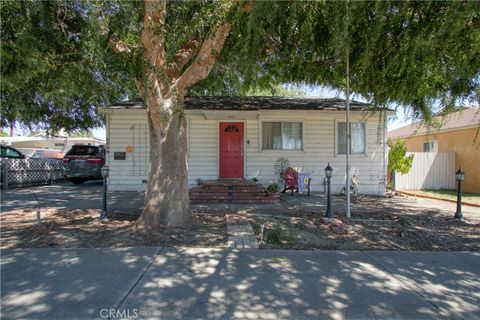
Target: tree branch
[
  {"x": 206, "y": 58},
  {"x": 183, "y": 56},
  {"x": 208, "y": 53},
  {"x": 121, "y": 47},
  {"x": 153, "y": 43},
  {"x": 152, "y": 34}
]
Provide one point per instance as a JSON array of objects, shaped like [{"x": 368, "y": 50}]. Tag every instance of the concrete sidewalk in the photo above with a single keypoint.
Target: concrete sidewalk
[{"x": 187, "y": 283}]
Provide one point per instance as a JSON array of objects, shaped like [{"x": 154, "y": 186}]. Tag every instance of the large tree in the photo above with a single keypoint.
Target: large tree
[{"x": 62, "y": 60}]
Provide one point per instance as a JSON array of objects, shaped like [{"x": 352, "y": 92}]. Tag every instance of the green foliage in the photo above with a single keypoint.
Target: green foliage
[
  {"x": 274, "y": 235},
  {"x": 275, "y": 232},
  {"x": 273, "y": 187},
  {"x": 408, "y": 53},
  {"x": 277, "y": 90},
  {"x": 398, "y": 161},
  {"x": 59, "y": 67},
  {"x": 3, "y": 134},
  {"x": 52, "y": 73}
]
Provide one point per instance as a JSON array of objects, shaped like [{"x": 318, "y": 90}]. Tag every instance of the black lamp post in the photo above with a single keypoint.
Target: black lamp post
[
  {"x": 103, "y": 213},
  {"x": 328, "y": 175},
  {"x": 459, "y": 175}
]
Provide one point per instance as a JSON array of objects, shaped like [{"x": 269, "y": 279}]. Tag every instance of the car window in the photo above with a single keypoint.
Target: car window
[
  {"x": 83, "y": 151},
  {"x": 10, "y": 153}
]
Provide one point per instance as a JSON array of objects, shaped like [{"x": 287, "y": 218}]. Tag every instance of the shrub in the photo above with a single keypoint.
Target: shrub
[
  {"x": 398, "y": 161},
  {"x": 274, "y": 235},
  {"x": 273, "y": 187}
]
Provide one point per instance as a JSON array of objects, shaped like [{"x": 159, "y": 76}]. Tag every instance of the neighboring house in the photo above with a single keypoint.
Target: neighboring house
[
  {"x": 242, "y": 137},
  {"x": 459, "y": 133}
]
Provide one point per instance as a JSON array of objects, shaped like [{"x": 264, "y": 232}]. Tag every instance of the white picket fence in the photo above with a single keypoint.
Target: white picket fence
[{"x": 430, "y": 170}]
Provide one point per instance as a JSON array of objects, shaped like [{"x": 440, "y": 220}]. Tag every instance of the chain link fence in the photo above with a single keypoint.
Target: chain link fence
[{"x": 23, "y": 172}]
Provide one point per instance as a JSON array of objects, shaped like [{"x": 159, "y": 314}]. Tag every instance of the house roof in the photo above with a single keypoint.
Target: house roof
[
  {"x": 7, "y": 140},
  {"x": 466, "y": 118},
  {"x": 257, "y": 103}
]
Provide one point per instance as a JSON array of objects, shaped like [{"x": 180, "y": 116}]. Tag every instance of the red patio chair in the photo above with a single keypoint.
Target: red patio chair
[{"x": 291, "y": 181}]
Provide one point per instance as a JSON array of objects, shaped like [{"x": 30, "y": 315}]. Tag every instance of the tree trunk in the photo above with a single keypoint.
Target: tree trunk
[{"x": 166, "y": 200}]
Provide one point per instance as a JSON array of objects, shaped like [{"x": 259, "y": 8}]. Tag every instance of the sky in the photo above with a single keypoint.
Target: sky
[{"x": 400, "y": 120}]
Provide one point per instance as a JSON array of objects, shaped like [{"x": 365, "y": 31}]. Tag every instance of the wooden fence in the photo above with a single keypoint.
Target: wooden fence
[{"x": 430, "y": 170}]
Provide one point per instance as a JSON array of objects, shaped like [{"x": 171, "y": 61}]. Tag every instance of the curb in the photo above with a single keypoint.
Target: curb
[{"x": 437, "y": 198}]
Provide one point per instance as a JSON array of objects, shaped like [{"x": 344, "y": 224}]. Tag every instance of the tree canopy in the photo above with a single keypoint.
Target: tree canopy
[{"x": 61, "y": 60}]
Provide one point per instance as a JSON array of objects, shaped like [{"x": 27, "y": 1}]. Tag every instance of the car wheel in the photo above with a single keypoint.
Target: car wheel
[{"x": 78, "y": 181}]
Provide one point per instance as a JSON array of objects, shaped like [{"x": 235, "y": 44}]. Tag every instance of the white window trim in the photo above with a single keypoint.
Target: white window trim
[
  {"x": 260, "y": 136},
  {"x": 362, "y": 154}
]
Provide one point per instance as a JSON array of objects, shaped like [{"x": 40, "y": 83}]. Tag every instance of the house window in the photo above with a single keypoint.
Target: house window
[
  {"x": 358, "y": 142},
  {"x": 282, "y": 136},
  {"x": 430, "y": 146}
]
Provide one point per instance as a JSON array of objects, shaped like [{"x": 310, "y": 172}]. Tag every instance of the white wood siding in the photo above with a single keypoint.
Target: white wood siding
[
  {"x": 319, "y": 129},
  {"x": 128, "y": 128},
  {"x": 318, "y": 150},
  {"x": 202, "y": 155}
]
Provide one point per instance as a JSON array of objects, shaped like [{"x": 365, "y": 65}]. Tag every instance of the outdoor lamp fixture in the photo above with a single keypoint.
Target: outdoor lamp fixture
[
  {"x": 459, "y": 175},
  {"x": 328, "y": 175},
  {"x": 103, "y": 213}
]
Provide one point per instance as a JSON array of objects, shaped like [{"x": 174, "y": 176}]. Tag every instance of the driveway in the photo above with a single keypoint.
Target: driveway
[
  {"x": 201, "y": 283},
  {"x": 61, "y": 195},
  {"x": 70, "y": 196}
]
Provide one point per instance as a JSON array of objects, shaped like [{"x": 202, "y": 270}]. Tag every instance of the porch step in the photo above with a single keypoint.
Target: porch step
[{"x": 231, "y": 191}]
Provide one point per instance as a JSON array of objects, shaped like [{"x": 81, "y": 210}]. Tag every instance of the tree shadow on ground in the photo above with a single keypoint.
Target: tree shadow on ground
[{"x": 82, "y": 228}]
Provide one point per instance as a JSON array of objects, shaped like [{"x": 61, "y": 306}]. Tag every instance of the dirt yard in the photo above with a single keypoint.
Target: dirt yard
[
  {"x": 82, "y": 228},
  {"x": 429, "y": 230},
  {"x": 295, "y": 223}
]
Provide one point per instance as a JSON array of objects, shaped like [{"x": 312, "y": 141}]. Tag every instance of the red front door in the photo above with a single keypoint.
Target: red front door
[{"x": 231, "y": 150}]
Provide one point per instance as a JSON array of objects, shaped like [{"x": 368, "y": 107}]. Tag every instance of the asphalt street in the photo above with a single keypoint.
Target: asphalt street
[{"x": 193, "y": 283}]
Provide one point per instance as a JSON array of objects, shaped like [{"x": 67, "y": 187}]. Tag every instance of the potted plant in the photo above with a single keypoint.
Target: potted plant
[{"x": 273, "y": 188}]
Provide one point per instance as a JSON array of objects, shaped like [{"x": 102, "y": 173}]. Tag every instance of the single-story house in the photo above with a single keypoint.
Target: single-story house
[
  {"x": 459, "y": 133},
  {"x": 310, "y": 132}
]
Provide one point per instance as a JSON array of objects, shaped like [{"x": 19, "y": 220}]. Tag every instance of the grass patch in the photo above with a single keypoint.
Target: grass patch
[{"x": 452, "y": 195}]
